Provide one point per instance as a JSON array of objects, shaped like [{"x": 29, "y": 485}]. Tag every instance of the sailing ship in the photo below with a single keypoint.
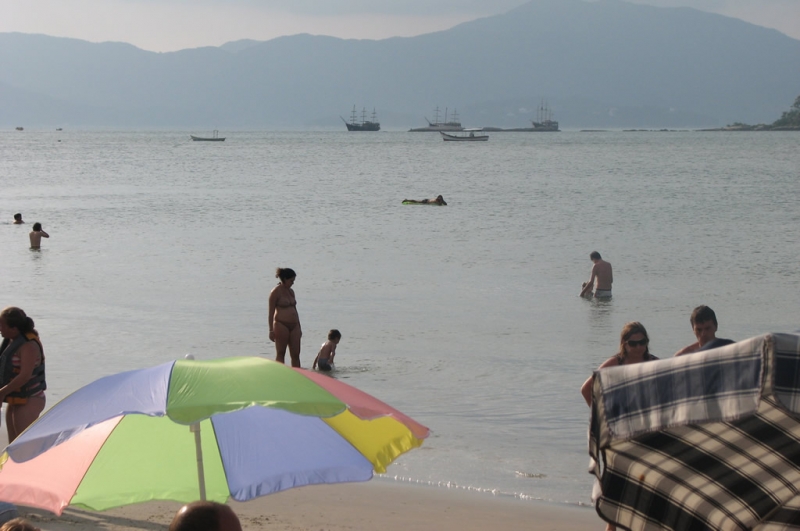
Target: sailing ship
[
  {"x": 448, "y": 125},
  {"x": 214, "y": 138},
  {"x": 543, "y": 123},
  {"x": 363, "y": 125},
  {"x": 544, "y": 119}
]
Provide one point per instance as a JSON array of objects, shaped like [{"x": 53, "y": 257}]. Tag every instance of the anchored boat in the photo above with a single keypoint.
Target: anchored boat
[
  {"x": 363, "y": 125},
  {"x": 448, "y": 125},
  {"x": 214, "y": 138}
]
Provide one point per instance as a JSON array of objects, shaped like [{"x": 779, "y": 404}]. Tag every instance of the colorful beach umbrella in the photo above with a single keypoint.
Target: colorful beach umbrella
[
  {"x": 186, "y": 430},
  {"x": 705, "y": 441}
]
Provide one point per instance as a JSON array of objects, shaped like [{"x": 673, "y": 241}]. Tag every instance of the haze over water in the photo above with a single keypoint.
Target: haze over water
[{"x": 465, "y": 317}]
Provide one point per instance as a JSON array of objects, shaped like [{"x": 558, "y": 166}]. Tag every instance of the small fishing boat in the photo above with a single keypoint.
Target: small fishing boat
[
  {"x": 214, "y": 138},
  {"x": 468, "y": 136}
]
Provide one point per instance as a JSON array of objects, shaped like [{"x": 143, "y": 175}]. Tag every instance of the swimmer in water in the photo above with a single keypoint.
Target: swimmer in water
[{"x": 438, "y": 201}]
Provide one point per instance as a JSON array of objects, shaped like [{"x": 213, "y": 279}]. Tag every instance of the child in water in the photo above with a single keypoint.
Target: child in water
[{"x": 327, "y": 352}]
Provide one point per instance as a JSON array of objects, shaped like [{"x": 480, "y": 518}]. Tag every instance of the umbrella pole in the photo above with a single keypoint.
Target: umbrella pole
[{"x": 195, "y": 428}]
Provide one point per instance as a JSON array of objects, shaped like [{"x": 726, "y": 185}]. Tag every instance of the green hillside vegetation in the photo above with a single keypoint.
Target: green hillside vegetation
[{"x": 789, "y": 121}]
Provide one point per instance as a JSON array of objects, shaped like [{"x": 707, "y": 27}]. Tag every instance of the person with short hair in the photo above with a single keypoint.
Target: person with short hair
[
  {"x": 704, "y": 326},
  {"x": 327, "y": 352},
  {"x": 600, "y": 280},
  {"x": 205, "y": 516},
  {"x": 18, "y": 219},
  {"x": 36, "y": 235}
]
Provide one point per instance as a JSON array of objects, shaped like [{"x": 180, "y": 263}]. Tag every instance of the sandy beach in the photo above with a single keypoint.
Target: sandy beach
[{"x": 355, "y": 506}]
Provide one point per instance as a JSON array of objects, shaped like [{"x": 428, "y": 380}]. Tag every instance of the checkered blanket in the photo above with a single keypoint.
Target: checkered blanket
[{"x": 703, "y": 441}]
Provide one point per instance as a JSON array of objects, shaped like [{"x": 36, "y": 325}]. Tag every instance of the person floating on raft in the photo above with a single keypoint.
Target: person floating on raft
[{"x": 438, "y": 201}]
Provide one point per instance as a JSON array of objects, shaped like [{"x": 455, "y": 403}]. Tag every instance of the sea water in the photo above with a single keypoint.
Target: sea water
[{"x": 465, "y": 317}]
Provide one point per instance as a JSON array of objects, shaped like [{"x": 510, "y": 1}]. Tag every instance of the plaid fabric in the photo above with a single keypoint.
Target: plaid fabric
[{"x": 703, "y": 441}]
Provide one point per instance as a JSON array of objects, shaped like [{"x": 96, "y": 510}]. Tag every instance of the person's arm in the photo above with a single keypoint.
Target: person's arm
[
  {"x": 44, "y": 234},
  {"x": 314, "y": 365},
  {"x": 29, "y": 356},
  {"x": 586, "y": 388},
  {"x": 589, "y": 285},
  {"x": 333, "y": 354},
  {"x": 688, "y": 349},
  {"x": 273, "y": 300}
]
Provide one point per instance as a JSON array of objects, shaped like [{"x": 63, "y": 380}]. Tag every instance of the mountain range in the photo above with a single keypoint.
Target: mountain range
[{"x": 602, "y": 64}]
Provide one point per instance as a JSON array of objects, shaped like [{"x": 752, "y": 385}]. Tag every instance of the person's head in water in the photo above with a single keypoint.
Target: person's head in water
[
  {"x": 334, "y": 335},
  {"x": 440, "y": 200},
  {"x": 37, "y": 226},
  {"x": 595, "y": 256},
  {"x": 633, "y": 332},
  {"x": 284, "y": 273},
  {"x": 704, "y": 324},
  {"x": 18, "y": 219},
  {"x": 205, "y": 516}
]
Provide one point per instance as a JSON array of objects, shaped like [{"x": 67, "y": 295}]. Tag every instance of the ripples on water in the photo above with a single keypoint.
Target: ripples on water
[{"x": 465, "y": 317}]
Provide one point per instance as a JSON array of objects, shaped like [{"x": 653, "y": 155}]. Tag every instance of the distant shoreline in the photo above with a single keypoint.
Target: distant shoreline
[{"x": 753, "y": 128}]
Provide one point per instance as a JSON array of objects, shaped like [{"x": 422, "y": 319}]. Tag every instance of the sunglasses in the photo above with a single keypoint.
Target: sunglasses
[{"x": 632, "y": 343}]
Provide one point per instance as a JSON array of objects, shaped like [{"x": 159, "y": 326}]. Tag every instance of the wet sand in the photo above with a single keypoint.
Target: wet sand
[{"x": 352, "y": 507}]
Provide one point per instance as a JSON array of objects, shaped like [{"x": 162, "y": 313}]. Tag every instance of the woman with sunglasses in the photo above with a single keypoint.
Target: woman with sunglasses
[{"x": 633, "y": 348}]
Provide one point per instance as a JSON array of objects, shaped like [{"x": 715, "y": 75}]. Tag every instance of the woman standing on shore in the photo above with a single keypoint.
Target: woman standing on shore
[
  {"x": 22, "y": 381},
  {"x": 284, "y": 324},
  {"x": 633, "y": 348}
]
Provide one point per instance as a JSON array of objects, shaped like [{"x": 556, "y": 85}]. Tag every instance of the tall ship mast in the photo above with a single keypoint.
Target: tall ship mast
[
  {"x": 362, "y": 125},
  {"x": 544, "y": 119},
  {"x": 448, "y": 125}
]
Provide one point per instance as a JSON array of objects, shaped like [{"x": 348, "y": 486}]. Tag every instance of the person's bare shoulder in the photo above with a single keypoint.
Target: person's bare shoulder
[
  {"x": 610, "y": 362},
  {"x": 688, "y": 349}
]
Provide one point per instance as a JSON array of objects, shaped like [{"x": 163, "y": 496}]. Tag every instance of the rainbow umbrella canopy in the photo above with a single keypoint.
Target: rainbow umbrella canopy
[{"x": 186, "y": 430}]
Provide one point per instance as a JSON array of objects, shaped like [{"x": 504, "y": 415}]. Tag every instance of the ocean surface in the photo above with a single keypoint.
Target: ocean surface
[{"x": 465, "y": 317}]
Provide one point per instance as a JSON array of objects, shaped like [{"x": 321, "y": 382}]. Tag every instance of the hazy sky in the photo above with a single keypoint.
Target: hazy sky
[{"x": 168, "y": 25}]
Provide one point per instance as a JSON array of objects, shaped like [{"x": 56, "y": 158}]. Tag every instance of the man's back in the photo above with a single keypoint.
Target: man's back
[{"x": 604, "y": 275}]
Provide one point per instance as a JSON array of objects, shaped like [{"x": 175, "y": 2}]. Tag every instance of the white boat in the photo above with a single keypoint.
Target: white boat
[{"x": 467, "y": 136}]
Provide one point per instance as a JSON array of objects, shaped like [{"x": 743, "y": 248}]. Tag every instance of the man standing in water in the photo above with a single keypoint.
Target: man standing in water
[
  {"x": 36, "y": 236},
  {"x": 601, "y": 275}
]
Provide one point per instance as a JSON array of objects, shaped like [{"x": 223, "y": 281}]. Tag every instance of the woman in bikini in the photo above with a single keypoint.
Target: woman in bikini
[
  {"x": 22, "y": 377},
  {"x": 284, "y": 325},
  {"x": 633, "y": 348}
]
